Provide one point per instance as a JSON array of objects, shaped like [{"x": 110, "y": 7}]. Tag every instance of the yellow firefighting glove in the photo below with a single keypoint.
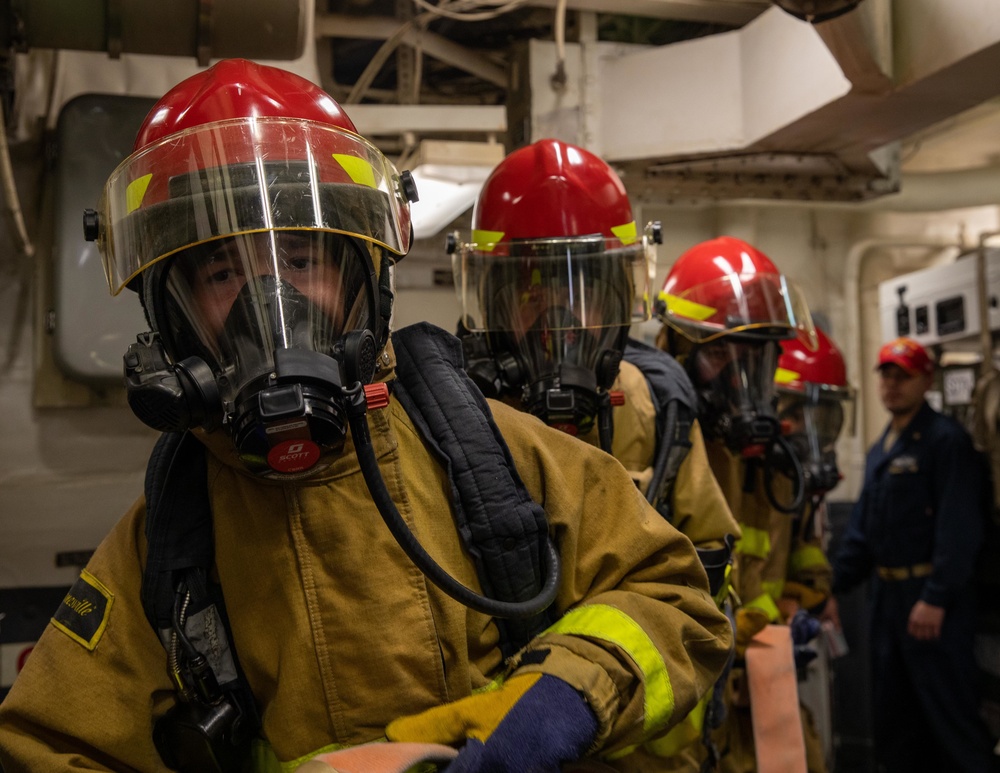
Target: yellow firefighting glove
[
  {"x": 532, "y": 722},
  {"x": 807, "y": 597},
  {"x": 749, "y": 622}
]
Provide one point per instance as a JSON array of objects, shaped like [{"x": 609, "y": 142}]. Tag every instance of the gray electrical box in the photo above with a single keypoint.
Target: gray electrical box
[{"x": 92, "y": 329}]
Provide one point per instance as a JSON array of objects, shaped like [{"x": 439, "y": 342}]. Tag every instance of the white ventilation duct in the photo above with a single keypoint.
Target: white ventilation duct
[{"x": 779, "y": 108}]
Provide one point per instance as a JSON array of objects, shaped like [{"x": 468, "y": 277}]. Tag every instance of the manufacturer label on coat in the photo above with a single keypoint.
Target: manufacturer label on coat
[{"x": 83, "y": 613}]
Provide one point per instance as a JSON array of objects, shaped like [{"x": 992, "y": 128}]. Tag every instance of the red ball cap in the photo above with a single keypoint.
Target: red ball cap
[{"x": 907, "y": 354}]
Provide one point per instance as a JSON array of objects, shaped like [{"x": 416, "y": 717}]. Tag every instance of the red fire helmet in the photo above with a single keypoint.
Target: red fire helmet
[
  {"x": 725, "y": 286},
  {"x": 552, "y": 189},
  {"x": 242, "y": 148},
  {"x": 553, "y": 227},
  {"x": 799, "y": 365}
]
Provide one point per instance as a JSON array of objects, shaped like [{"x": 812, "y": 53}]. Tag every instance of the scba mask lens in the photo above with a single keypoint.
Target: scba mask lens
[
  {"x": 734, "y": 381},
  {"x": 557, "y": 312},
  {"x": 814, "y": 423},
  {"x": 269, "y": 314}
]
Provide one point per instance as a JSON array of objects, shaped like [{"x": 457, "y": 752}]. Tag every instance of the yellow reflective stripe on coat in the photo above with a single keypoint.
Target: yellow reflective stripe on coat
[
  {"x": 264, "y": 760},
  {"x": 765, "y": 603},
  {"x": 773, "y": 588},
  {"x": 682, "y": 735},
  {"x": 754, "y": 542},
  {"x": 808, "y": 557},
  {"x": 600, "y": 621}
]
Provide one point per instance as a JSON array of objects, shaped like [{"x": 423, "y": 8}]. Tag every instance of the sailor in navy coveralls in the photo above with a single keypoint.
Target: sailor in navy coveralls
[{"x": 917, "y": 527}]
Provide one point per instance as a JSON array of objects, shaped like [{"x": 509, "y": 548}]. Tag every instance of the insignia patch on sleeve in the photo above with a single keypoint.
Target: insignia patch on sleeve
[
  {"x": 83, "y": 614},
  {"x": 903, "y": 464}
]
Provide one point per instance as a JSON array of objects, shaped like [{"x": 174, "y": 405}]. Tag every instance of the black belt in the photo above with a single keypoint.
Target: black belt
[{"x": 896, "y": 573}]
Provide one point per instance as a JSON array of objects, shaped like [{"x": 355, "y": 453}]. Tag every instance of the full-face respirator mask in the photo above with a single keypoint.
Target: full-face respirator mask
[
  {"x": 734, "y": 382},
  {"x": 815, "y": 418},
  {"x": 550, "y": 320},
  {"x": 268, "y": 330}
]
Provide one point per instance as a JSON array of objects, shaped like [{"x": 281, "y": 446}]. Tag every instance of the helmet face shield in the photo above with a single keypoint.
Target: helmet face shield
[
  {"x": 814, "y": 417},
  {"x": 236, "y": 302},
  {"x": 737, "y": 376},
  {"x": 821, "y": 421},
  {"x": 243, "y": 176},
  {"x": 557, "y": 312},
  {"x": 566, "y": 283},
  {"x": 763, "y": 305}
]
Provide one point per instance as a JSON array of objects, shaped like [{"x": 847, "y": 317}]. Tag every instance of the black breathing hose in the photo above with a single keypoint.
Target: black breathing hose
[
  {"x": 663, "y": 453},
  {"x": 798, "y": 478},
  {"x": 605, "y": 423},
  {"x": 415, "y": 551}
]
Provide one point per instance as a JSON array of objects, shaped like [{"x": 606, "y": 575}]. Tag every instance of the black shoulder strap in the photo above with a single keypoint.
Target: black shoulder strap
[
  {"x": 178, "y": 522},
  {"x": 676, "y": 403},
  {"x": 181, "y": 548},
  {"x": 502, "y": 528}
]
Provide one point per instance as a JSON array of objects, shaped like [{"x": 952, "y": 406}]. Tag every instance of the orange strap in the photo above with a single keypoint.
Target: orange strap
[
  {"x": 774, "y": 702},
  {"x": 378, "y": 758}
]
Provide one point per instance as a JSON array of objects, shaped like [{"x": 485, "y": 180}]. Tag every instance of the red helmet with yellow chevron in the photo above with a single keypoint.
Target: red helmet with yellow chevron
[
  {"x": 555, "y": 273},
  {"x": 815, "y": 401},
  {"x": 242, "y": 148},
  {"x": 823, "y": 365},
  {"x": 727, "y": 287},
  {"x": 548, "y": 214}
]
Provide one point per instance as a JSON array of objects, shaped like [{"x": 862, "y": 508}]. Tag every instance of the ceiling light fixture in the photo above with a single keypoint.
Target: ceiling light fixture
[{"x": 449, "y": 175}]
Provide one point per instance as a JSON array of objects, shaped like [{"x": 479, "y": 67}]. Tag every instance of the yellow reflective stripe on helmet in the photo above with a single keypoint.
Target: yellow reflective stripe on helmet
[
  {"x": 600, "y": 621},
  {"x": 626, "y": 233},
  {"x": 359, "y": 170},
  {"x": 754, "y": 542},
  {"x": 485, "y": 241},
  {"x": 685, "y": 308},
  {"x": 773, "y": 588},
  {"x": 765, "y": 604},
  {"x": 135, "y": 192},
  {"x": 808, "y": 557},
  {"x": 681, "y": 735},
  {"x": 785, "y": 376}
]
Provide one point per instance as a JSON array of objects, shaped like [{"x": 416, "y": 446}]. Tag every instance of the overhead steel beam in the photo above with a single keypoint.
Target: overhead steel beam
[
  {"x": 732, "y": 12},
  {"x": 420, "y": 119},
  {"x": 432, "y": 44}
]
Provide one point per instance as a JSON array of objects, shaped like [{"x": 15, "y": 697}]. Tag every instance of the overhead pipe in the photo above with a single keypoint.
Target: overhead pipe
[
  {"x": 918, "y": 192},
  {"x": 12, "y": 202},
  {"x": 251, "y": 29}
]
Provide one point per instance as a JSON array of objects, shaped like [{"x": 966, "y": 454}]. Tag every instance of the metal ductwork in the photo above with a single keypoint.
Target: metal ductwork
[{"x": 781, "y": 108}]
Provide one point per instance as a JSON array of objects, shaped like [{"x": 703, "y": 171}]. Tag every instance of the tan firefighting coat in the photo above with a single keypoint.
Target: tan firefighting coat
[
  {"x": 700, "y": 510},
  {"x": 339, "y": 633},
  {"x": 773, "y": 559}
]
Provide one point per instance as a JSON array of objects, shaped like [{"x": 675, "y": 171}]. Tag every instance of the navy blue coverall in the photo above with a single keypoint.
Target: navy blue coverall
[{"x": 921, "y": 511}]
